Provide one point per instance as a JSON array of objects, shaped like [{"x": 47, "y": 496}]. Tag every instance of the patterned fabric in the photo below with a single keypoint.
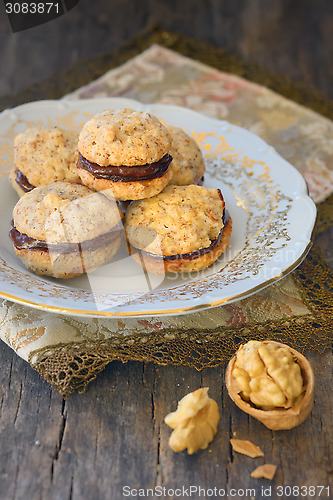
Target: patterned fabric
[
  {"x": 300, "y": 135},
  {"x": 69, "y": 352}
]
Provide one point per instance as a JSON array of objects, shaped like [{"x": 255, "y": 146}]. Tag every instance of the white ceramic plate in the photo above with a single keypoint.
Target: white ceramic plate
[{"x": 273, "y": 221}]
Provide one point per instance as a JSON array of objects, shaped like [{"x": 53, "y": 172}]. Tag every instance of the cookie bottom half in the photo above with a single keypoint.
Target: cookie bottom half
[
  {"x": 67, "y": 265},
  {"x": 123, "y": 191},
  {"x": 160, "y": 266}
]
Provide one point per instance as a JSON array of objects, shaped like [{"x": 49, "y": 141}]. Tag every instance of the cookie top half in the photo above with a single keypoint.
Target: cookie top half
[
  {"x": 188, "y": 165},
  {"x": 123, "y": 137},
  {"x": 45, "y": 155},
  {"x": 180, "y": 220},
  {"x": 65, "y": 212}
]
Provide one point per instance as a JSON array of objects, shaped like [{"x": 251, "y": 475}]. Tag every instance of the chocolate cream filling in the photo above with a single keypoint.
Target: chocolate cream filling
[
  {"x": 22, "y": 241},
  {"x": 192, "y": 255},
  {"x": 124, "y": 173},
  {"x": 23, "y": 182}
]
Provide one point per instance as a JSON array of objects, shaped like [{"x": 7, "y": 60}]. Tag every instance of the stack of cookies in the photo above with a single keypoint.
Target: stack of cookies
[{"x": 75, "y": 189}]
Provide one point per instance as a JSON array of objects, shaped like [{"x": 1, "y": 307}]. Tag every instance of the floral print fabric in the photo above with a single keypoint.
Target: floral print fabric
[{"x": 301, "y": 136}]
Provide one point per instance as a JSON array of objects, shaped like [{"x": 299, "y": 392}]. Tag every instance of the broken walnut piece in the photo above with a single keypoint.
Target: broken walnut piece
[
  {"x": 194, "y": 423},
  {"x": 53, "y": 201},
  {"x": 246, "y": 448},
  {"x": 272, "y": 382},
  {"x": 266, "y": 471}
]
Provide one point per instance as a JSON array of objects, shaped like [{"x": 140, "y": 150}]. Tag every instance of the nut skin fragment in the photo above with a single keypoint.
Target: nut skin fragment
[
  {"x": 266, "y": 471},
  {"x": 246, "y": 448},
  {"x": 194, "y": 422},
  {"x": 295, "y": 409}
]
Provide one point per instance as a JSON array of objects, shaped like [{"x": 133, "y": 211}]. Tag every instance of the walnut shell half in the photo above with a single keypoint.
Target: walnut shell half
[{"x": 279, "y": 418}]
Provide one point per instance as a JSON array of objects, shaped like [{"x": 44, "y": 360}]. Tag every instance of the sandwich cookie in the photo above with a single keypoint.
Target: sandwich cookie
[
  {"x": 126, "y": 152},
  {"x": 65, "y": 229},
  {"x": 42, "y": 156},
  {"x": 182, "y": 229}
]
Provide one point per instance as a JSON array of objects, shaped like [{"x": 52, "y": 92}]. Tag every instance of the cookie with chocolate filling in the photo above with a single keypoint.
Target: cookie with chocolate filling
[
  {"x": 65, "y": 229},
  {"x": 187, "y": 166},
  {"x": 182, "y": 229},
  {"x": 42, "y": 156},
  {"x": 125, "y": 151}
]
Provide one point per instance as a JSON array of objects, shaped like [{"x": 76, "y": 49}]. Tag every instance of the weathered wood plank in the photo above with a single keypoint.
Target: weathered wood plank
[
  {"x": 291, "y": 38},
  {"x": 30, "y": 423},
  {"x": 93, "y": 445},
  {"x": 109, "y": 435}
]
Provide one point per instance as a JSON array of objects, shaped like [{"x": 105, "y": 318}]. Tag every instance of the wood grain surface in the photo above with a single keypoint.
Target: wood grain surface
[
  {"x": 293, "y": 38},
  {"x": 93, "y": 445}
]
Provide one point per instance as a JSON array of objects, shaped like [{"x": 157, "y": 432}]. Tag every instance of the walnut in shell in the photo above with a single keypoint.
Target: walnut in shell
[
  {"x": 194, "y": 422},
  {"x": 271, "y": 382}
]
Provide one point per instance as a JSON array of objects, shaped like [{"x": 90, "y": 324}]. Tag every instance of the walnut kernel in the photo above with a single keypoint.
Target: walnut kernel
[
  {"x": 194, "y": 423},
  {"x": 53, "y": 200},
  {"x": 268, "y": 376},
  {"x": 272, "y": 382}
]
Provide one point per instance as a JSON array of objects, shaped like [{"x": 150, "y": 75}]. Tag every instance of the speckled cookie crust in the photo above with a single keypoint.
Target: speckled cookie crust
[
  {"x": 123, "y": 191},
  {"x": 46, "y": 155},
  {"x": 65, "y": 212},
  {"x": 67, "y": 265},
  {"x": 185, "y": 219},
  {"x": 123, "y": 137},
  {"x": 187, "y": 164},
  {"x": 161, "y": 267}
]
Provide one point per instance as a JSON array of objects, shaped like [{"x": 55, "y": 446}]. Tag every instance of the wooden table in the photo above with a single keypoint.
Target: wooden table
[
  {"x": 93, "y": 445},
  {"x": 112, "y": 439},
  {"x": 288, "y": 37}
]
